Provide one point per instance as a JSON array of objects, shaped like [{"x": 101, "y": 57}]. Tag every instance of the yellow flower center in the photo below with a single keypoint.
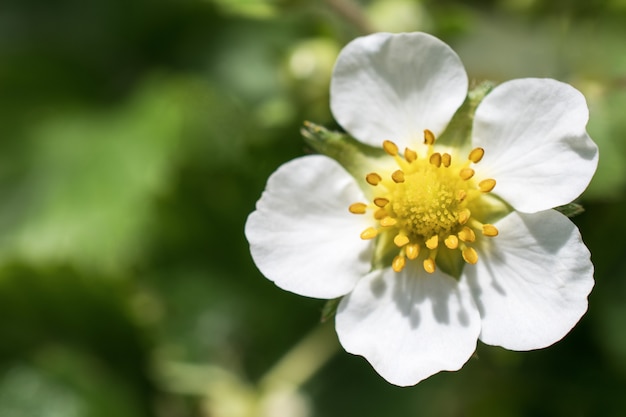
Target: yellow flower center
[{"x": 427, "y": 205}]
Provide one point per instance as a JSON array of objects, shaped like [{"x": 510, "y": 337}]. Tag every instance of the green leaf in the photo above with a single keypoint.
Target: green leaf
[{"x": 85, "y": 181}]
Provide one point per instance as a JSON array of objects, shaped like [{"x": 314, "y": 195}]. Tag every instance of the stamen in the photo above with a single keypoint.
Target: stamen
[
  {"x": 380, "y": 214},
  {"x": 398, "y": 263},
  {"x": 476, "y": 155},
  {"x": 467, "y": 235},
  {"x": 381, "y": 202},
  {"x": 388, "y": 222},
  {"x": 410, "y": 155},
  {"x": 490, "y": 230},
  {"x": 398, "y": 176},
  {"x": 487, "y": 185},
  {"x": 412, "y": 250},
  {"x": 451, "y": 242},
  {"x": 466, "y": 173},
  {"x": 373, "y": 178},
  {"x": 432, "y": 242},
  {"x": 369, "y": 233},
  {"x": 446, "y": 159},
  {"x": 426, "y": 208},
  {"x": 435, "y": 159},
  {"x": 470, "y": 256},
  {"x": 390, "y": 147},
  {"x": 400, "y": 240},
  {"x": 429, "y": 265},
  {"x": 429, "y": 137},
  {"x": 464, "y": 216},
  {"x": 357, "y": 208}
]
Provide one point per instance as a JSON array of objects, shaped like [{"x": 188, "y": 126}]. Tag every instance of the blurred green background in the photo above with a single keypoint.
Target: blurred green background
[{"x": 136, "y": 136}]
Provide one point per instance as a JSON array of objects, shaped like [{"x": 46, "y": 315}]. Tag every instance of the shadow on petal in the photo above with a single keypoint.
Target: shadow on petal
[
  {"x": 491, "y": 261},
  {"x": 414, "y": 289},
  {"x": 550, "y": 236},
  {"x": 409, "y": 325},
  {"x": 378, "y": 287}
]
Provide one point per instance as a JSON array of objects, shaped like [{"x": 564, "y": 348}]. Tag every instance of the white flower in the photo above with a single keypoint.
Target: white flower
[{"x": 443, "y": 244}]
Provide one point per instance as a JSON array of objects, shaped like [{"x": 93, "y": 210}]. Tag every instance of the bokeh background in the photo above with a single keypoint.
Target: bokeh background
[{"x": 135, "y": 138}]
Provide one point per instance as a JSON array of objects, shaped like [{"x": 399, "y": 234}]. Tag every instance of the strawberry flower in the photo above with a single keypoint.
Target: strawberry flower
[{"x": 448, "y": 235}]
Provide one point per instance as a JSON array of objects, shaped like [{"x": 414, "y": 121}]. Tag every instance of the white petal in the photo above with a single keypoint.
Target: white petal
[
  {"x": 302, "y": 235},
  {"x": 409, "y": 325},
  {"x": 531, "y": 281},
  {"x": 536, "y": 146},
  {"x": 393, "y": 86}
]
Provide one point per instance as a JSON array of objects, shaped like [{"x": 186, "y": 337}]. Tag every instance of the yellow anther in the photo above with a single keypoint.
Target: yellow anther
[
  {"x": 388, "y": 222},
  {"x": 400, "y": 240},
  {"x": 398, "y": 176},
  {"x": 460, "y": 195},
  {"x": 490, "y": 230},
  {"x": 369, "y": 233},
  {"x": 373, "y": 178},
  {"x": 487, "y": 185},
  {"x": 470, "y": 256},
  {"x": 429, "y": 137},
  {"x": 435, "y": 159},
  {"x": 467, "y": 235},
  {"x": 476, "y": 155},
  {"x": 410, "y": 155},
  {"x": 381, "y": 202},
  {"x": 466, "y": 173},
  {"x": 446, "y": 159},
  {"x": 432, "y": 242},
  {"x": 412, "y": 250},
  {"x": 464, "y": 216},
  {"x": 451, "y": 242},
  {"x": 398, "y": 263},
  {"x": 429, "y": 265},
  {"x": 390, "y": 147},
  {"x": 358, "y": 208},
  {"x": 380, "y": 214},
  {"x": 427, "y": 209}
]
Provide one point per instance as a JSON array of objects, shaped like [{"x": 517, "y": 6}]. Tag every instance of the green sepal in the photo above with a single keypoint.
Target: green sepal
[
  {"x": 571, "y": 209},
  {"x": 458, "y": 134},
  {"x": 330, "y": 309},
  {"x": 491, "y": 210},
  {"x": 357, "y": 158},
  {"x": 451, "y": 262}
]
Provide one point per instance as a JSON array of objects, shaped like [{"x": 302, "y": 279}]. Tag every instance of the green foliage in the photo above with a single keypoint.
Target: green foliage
[{"x": 135, "y": 138}]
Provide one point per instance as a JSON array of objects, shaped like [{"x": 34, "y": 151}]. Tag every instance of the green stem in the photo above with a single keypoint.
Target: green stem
[{"x": 303, "y": 360}]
